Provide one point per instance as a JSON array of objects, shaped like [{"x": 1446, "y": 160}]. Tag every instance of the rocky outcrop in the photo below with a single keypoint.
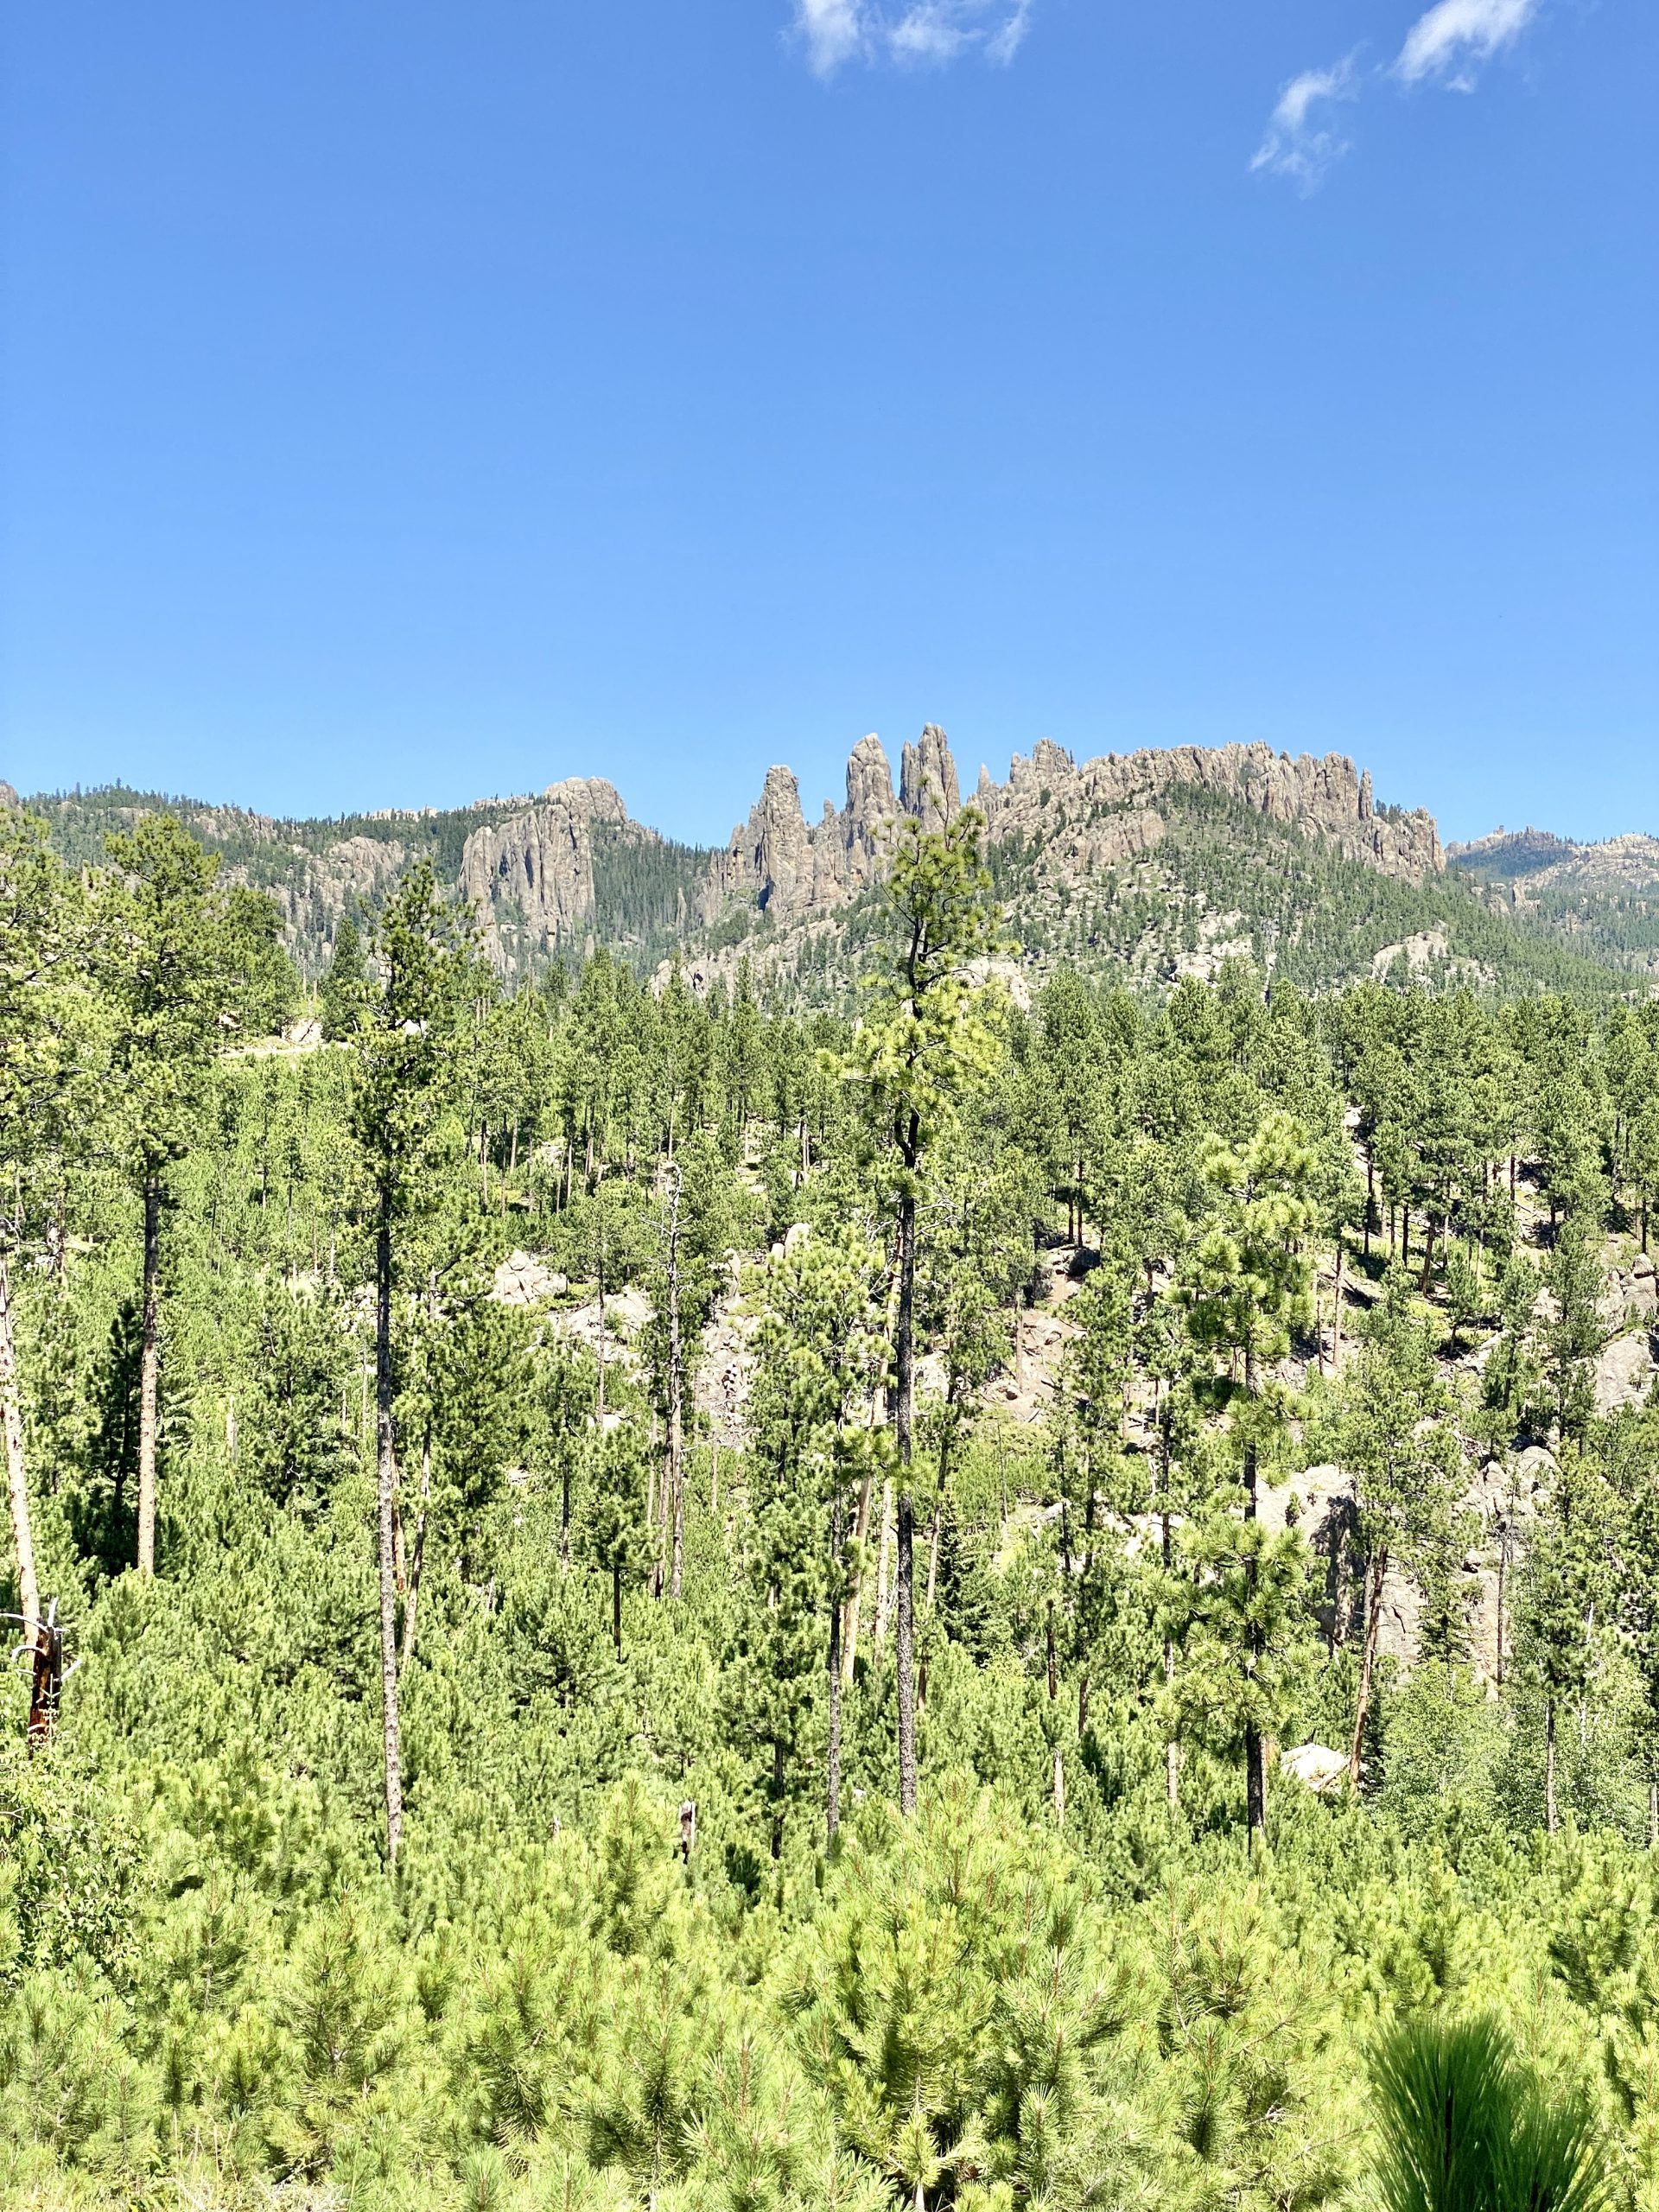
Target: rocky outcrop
[
  {"x": 927, "y": 780},
  {"x": 531, "y": 878},
  {"x": 1080, "y": 819},
  {"x": 8, "y": 797},
  {"x": 1329, "y": 797},
  {"x": 354, "y": 871}
]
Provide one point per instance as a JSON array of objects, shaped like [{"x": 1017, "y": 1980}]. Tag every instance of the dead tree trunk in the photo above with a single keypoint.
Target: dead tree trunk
[
  {"x": 1256, "y": 1762},
  {"x": 832, "y": 1760},
  {"x": 1375, "y": 1579},
  {"x": 22, "y": 1537},
  {"x": 675, "y": 1406},
  {"x": 417, "y": 1552},
  {"x": 387, "y": 1486},
  {"x": 904, "y": 1372},
  {"x": 149, "y": 1371}
]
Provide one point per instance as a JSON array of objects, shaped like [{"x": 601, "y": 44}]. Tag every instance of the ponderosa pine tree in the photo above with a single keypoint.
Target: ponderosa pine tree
[
  {"x": 1246, "y": 1289},
  {"x": 1397, "y": 1441},
  {"x": 925, "y": 1036},
  {"x": 406, "y": 1124},
  {"x": 818, "y": 1356},
  {"x": 173, "y": 965},
  {"x": 345, "y": 989},
  {"x": 43, "y": 1017}
]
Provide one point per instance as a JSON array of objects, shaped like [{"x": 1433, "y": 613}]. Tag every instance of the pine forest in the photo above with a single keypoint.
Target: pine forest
[{"x": 635, "y": 1590}]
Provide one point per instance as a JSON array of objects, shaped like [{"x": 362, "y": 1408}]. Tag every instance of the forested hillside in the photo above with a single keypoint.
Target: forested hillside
[
  {"x": 1602, "y": 899},
  {"x": 1139, "y": 869},
  {"x": 633, "y": 1597}
]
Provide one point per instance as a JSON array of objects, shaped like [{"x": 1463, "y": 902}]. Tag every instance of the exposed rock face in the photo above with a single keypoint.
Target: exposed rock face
[
  {"x": 1331, "y": 797},
  {"x": 531, "y": 878},
  {"x": 927, "y": 780},
  {"x": 789, "y": 870},
  {"x": 1082, "y": 819},
  {"x": 8, "y": 797}
]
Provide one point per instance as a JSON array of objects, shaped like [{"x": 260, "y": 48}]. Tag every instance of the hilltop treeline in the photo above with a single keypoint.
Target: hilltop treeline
[{"x": 633, "y": 1599}]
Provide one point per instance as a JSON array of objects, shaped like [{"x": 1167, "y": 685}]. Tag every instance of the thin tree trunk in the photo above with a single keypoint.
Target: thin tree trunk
[
  {"x": 150, "y": 1372},
  {"x": 883, "y": 1594},
  {"x": 1374, "y": 1579},
  {"x": 599, "y": 1303},
  {"x": 1256, "y": 1766},
  {"x": 676, "y": 1391},
  {"x": 832, "y": 1762},
  {"x": 1172, "y": 1749},
  {"x": 616, "y": 1608},
  {"x": 417, "y": 1555},
  {"x": 1336, "y": 1314},
  {"x": 22, "y": 1535},
  {"x": 1653, "y": 1815},
  {"x": 905, "y": 1620},
  {"x": 1370, "y": 1196},
  {"x": 1549, "y": 1765},
  {"x": 1060, "y": 1788},
  {"x": 386, "y": 1474},
  {"x": 854, "y": 1595}
]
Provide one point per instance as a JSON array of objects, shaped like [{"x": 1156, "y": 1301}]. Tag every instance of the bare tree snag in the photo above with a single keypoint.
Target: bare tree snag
[{"x": 149, "y": 1371}]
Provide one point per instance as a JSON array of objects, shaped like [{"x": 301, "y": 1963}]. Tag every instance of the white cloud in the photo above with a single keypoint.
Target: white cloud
[
  {"x": 1456, "y": 34},
  {"x": 1006, "y": 41},
  {"x": 931, "y": 32},
  {"x": 833, "y": 31},
  {"x": 1301, "y": 141},
  {"x": 920, "y": 31}
]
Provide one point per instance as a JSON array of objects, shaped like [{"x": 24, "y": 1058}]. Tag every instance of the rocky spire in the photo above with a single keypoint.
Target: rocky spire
[{"x": 927, "y": 780}]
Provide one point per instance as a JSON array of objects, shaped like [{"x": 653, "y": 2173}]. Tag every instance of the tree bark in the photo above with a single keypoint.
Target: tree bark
[
  {"x": 1256, "y": 1764},
  {"x": 417, "y": 1555},
  {"x": 1549, "y": 1765},
  {"x": 675, "y": 1411},
  {"x": 854, "y": 1595},
  {"x": 883, "y": 1591},
  {"x": 1172, "y": 1749},
  {"x": 832, "y": 1761},
  {"x": 149, "y": 1371},
  {"x": 22, "y": 1535},
  {"x": 777, "y": 1797},
  {"x": 904, "y": 1378},
  {"x": 1374, "y": 1579},
  {"x": 387, "y": 1485}
]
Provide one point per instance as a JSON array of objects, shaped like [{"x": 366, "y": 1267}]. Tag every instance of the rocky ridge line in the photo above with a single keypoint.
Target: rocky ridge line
[{"x": 1086, "y": 817}]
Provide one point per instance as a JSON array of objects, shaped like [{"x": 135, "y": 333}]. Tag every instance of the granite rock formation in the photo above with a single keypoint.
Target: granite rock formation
[
  {"x": 531, "y": 878},
  {"x": 1081, "y": 818}
]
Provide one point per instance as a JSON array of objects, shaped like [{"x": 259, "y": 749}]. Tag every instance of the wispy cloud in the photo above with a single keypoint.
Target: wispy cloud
[
  {"x": 835, "y": 32},
  {"x": 1445, "y": 46},
  {"x": 1301, "y": 140},
  {"x": 1006, "y": 41},
  {"x": 1455, "y": 34}
]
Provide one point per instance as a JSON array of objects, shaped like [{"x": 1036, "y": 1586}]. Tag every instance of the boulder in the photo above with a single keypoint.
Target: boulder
[{"x": 1317, "y": 1767}]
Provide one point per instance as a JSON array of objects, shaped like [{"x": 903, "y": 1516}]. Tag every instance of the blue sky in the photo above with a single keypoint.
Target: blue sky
[{"x": 403, "y": 402}]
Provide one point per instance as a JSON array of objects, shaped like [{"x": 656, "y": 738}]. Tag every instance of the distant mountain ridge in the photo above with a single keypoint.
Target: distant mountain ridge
[
  {"x": 1602, "y": 898},
  {"x": 1155, "y": 863}
]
